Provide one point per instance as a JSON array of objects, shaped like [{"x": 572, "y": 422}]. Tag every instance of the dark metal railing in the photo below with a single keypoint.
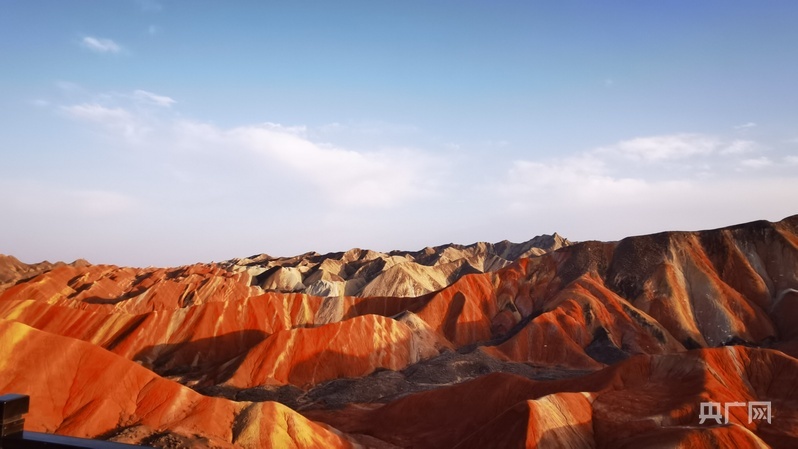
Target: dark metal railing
[{"x": 13, "y": 408}]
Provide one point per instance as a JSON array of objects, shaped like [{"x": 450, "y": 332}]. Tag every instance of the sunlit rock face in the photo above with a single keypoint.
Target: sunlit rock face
[
  {"x": 82, "y": 390},
  {"x": 592, "y": 344},
  {"x": 360, "y": 272}
]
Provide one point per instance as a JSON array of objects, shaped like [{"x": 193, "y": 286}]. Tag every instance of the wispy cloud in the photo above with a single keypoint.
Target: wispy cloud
[
  {"x": 271, "y": 171},
  {"x": 577, "y": 181},
  {"x": 97, "y": 113},
  {"x": 664, "y": 147},
  {"x": 636, "y": 185},
  {"x": 115, "y": 119},
  {"x": 152, "y": 30},
  {"x": 100, "y": 45},
  {"x": 380, "y": 178},
  {"x": 746, "y": 125},
  {"x": 756, "y": 163},
  {"x": 129, "y": 116},
  {"x": 149, "y": 97},
  {"x": 680, "y": 148},
  {"x": 739, "y": 147}
]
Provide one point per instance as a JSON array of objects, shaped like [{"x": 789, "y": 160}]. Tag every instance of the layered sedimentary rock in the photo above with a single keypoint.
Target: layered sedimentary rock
[
  {"x": 360, "y": 272},
  {"x": 639, "y": 402},
  {"x": 352, "y": 348},
  {"x": 79, "y": 389},
  {"x": 13, "y": 271},
  {"x": 132, "y": 290},
  {"x": 399, "y": 333},
  {"x": 205, "y": 343}
]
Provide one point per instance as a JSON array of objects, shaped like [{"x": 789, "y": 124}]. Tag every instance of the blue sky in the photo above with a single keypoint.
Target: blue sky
[{"x": 163, "y": 132}]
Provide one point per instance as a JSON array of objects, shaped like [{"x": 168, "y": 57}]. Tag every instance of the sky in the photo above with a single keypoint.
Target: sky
[{"x": 164, "y": 133}]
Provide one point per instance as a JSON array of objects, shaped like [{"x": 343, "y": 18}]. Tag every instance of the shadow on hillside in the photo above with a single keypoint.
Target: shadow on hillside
[
  {"x": 212, "y": 359},
  {"x": 453, "y": 311},
  {"x": 491, "y": 411},
  {"x": 387, "y": 306},
  {"x": 511, "y": 429},
  {"x": 642, "y": 400},
  {"x": 105, "y": 301}
]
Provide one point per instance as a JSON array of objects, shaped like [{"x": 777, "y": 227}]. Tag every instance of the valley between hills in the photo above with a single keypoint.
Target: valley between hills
[{"x": 545, "y": 343}]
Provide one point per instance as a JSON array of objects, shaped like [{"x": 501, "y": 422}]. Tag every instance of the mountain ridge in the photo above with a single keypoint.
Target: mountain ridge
[
  {"x": 359, "y": 272},
  {"x": 704, "y": 299}
]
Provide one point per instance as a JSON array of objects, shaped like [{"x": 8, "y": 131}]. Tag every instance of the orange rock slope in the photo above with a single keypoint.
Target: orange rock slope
[
  {"x": 646, "y": 400},
  {"x": 633, "y": 311},
  {"x": 79, "y": 389}
]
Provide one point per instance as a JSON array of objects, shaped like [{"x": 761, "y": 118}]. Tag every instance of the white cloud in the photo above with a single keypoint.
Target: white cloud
[
  {"x": 116, "y": 119},
  {"x": 152, "y": 30},
  {"x": 746, "y": 125},
  {"x": 739, "y": 147},
  {"x": 662, "y": 148},
  {"x": 297, "y": 130},
  {"x": 294, "y": 181},
  {"x": 149, "y": 97},
  {"x": 97, "y": 113},
  {"x": 366, "y": 135},
  {"x": 674, "y": 147},
  {"x": 582, "y": 203},
  {"x": 759, "y": 162},
  {"x": 791, "y": 160},
  {"x": 380, "y": 178},
  {"x": 101, "y": 45},
  {"x": 131, "y": 116},
  {"x": 608, "y": 192},
  {"x": 349, "y": 178},
  {"x": 584, "y": 178}
]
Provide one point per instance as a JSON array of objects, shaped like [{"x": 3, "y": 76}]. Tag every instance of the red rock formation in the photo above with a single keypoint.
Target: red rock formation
[
  {"x": 131, "y": 290},
  {"x": 653, "y": 294},
  {"x": 646, "y": 294},
  {"x": 81, "y": 390},
  {"x": 642, "y": 400},
  {"x": 587, "y": 306},
  {"x": 207, "y": 341},
  {"x": 352, "y": 348}
]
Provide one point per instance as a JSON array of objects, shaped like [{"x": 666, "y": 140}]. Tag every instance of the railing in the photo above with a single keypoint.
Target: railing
[{"x": 13, "y": 407}]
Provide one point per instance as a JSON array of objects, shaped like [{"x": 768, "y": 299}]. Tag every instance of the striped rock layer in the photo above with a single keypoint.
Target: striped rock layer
[{"x": 663, "y": 322}]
